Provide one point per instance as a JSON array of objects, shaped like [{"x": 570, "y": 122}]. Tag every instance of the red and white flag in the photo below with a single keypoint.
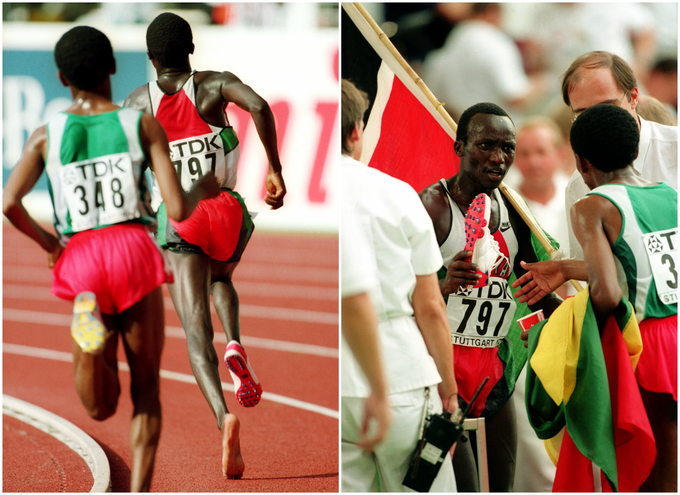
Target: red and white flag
[{"x": 405, "y": 136}]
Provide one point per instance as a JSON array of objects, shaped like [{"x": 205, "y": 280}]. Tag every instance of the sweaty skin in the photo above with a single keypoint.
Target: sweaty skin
[
  {"x": 198, "y": 276},
  {"x": 141, "y": 327}
]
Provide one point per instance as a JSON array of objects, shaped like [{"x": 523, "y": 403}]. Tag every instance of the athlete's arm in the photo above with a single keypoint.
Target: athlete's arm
[
  {"x": 588, "y": 217},
  {"x": 233, "y": 90},
  {"x": 544, "y": 277},
  {"x": 22, "y": 179},
  {"x": 437, "y": 206},
  {"x": 430, "y": 314},
  {"x": 178, "y": 203}
]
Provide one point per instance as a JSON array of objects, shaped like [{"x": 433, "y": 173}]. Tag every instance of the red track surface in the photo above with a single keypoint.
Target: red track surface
[{"x": 287, "y": 287}]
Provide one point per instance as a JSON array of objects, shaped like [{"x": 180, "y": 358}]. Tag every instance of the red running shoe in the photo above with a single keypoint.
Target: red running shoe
[
  {"x": 477, "y": 220},
  {"x": 485, "y": 251},
  {"x": 247, "y": 388}
]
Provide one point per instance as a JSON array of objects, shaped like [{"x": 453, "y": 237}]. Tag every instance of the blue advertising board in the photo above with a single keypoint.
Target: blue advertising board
[{"x": 32, "y": 94}]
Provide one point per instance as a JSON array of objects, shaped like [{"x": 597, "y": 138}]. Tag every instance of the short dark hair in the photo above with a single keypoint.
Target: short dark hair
[
  {"x": 84, "y": 56},
  {"x": 169, "y": 39},
  {"x": 607, "y": 136},
  {"x": 622, "y": 72},
  {"x": 488, "y": 108},
  {"x": 354, "y": 105}
]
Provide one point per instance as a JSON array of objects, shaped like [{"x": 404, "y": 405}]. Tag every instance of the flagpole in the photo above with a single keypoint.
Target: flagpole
[
  {"x": 512, "y": 196},
  {"x": 404, "y": 64}
]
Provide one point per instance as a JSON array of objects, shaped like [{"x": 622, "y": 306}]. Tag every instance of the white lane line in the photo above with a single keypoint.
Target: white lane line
[
  {"x": 243, "y": 288},
  {"x": 247, "y": 310},
  {"x": 168, "y": 375},
  {"x": 67, "y": 433},
  {"x": 275, "y": 345},
  {"x": 62, "y": 320},
  {"x": 265, "y": 274}
]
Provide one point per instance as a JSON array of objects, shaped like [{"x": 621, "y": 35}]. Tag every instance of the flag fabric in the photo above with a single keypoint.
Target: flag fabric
[
  {"x": 584, "y": 381},
  {"x": 403, "y": 139},
  {"x": 405, "y": 135}
]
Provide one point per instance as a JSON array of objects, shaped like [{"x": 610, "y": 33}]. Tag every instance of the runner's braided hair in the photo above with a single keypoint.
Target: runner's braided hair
[
  {"x": 169, "y": 40},
  {"x": 488, "y": 108},
  {"x": 84, "y": 56},
  {"x": 607, "y": 136}
]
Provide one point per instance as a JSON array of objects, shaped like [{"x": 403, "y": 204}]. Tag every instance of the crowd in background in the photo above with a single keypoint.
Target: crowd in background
[
  {"x": 272, "y": 14},
  {"x": 513, "y": 54},
  {"x": 546, "y": 37}
]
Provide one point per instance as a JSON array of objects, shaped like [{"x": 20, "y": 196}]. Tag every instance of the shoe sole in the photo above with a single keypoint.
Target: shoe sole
[
  {"x": 476, "y": 219},
  {"x": 87, "y": 328},
  {"x": 248, "y": 389}
]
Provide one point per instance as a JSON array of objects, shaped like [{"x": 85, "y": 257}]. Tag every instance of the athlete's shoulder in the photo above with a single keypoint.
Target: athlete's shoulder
[
  {"x": 210, "y": 77},
  {"x": 139, "y": 99},
  {"x": 434, "y": 198}
]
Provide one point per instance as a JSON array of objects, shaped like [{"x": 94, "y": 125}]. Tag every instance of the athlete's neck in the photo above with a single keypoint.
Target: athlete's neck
[
  {"x": 91, "y": 102},
  {"x": 171, "y": 80},
  {"x": 463, "y": 192},
  {"x": 168, "y": 73}
]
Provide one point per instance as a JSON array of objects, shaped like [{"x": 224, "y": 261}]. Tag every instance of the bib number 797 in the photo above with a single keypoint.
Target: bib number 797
[
  {"x": 485, "y": 316},
  {"x": 191, "y": 169}
]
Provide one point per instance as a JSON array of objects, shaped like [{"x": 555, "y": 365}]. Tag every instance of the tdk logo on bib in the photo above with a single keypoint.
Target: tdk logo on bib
[{"x": 196, "y": 146}]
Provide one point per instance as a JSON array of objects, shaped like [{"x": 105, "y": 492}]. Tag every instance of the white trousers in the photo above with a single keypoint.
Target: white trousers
[{"x": 391, "y": 458}]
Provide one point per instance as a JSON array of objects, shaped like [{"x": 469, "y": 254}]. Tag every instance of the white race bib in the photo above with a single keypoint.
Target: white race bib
[
  {"x": 100, "y": 191},
  {"x": 481, "y": 317},
  {"x": 196, "y": 156},
  {"x": 662, "y": 251}
]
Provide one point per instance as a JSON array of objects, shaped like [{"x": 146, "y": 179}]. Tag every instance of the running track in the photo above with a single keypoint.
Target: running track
[{"x": 288, "y": 289}]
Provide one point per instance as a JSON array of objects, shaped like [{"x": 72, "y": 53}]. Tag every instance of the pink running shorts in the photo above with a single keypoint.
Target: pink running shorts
[
  {"x": 121, "y": 264},
  {"x": 657, "y": 369}
]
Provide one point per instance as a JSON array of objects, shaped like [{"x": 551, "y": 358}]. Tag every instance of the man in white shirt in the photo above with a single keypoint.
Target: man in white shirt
[
  {"x": 413, "y": 326},
  {"x": 602, "y": 77},
  {"x": 360, "y": 326},
  {"x": 479, "y": 62}
]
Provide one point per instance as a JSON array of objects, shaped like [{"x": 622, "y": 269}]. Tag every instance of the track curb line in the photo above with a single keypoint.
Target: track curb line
[{"x": 67, "y": 433}]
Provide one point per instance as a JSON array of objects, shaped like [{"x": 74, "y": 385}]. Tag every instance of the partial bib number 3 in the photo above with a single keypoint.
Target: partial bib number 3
[{"x": 662, "y": 251}]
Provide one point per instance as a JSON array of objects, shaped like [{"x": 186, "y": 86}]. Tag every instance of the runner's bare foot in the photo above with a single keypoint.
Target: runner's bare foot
[{"x": 232, "y": 462}]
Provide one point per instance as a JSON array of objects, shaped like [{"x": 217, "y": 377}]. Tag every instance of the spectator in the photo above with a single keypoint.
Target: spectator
[
  {"x": 360, "y": 326},
  {"x": 602, "y": 77},
  {"x": 413, "y": 325},
  {"x": 662, "y": 83},
  {"x": 479, "y": 62}
]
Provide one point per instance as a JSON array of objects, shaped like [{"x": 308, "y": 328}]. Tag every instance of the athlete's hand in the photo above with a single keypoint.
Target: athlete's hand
[
  {"x": 276, "y": 190},
  {"x": 461, "y": 271},
  {"x": 208, "y": 186},
  {"x": 378, "y": 409},
  {"x": 541, "y": 279},
  {"x": 54, "y": 253}
]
